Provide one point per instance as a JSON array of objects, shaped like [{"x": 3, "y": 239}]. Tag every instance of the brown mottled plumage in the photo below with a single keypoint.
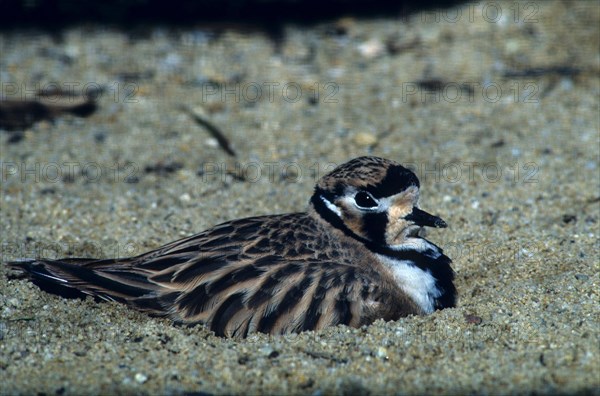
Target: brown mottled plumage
[{"x": 354, "y": 257}]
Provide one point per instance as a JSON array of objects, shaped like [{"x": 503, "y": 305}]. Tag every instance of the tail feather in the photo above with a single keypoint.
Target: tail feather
[{"x": 106, "y": 279}]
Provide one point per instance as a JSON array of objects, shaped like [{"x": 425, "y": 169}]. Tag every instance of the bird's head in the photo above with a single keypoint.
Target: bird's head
[{"x": 374, "y": 199}]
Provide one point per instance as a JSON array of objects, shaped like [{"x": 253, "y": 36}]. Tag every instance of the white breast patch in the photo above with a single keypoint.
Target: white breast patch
[{"x": 418, "y": 284}]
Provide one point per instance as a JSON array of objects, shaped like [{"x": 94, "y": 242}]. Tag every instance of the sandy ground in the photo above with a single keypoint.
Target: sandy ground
[{"x": 498, "y": 115}]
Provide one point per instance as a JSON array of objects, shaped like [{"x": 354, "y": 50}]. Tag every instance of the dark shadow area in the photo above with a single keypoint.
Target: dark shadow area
[{"x": 268, "y": 14}]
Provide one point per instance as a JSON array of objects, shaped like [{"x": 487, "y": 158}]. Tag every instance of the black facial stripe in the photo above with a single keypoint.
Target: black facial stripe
[
  {"x": 396, "y": 180},
  {"x": 324, "y": 211},
  {"x": 338, "y": 191},
  {"x": 374, "y": 226},
  {"x": 328, "y": 215}
]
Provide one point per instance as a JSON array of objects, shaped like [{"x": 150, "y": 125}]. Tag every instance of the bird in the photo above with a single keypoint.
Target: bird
[{"x": 356, "y": 255}]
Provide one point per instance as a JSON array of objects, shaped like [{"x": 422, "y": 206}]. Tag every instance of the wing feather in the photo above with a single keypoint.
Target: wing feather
[{"x": 238, "y": 277}]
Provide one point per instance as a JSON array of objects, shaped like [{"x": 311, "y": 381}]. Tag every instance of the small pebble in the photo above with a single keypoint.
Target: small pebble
[
  {"x": 15, "y": 138},
  {"x": 371, "y": 49},
  {"x": 473, "y": 319},
  {"x": 211, "y": 142},
  {"x": 364, "y": 139},
  {"x": 141, "y": 378},
  {"x": 185, "y": 197},
  {"x": 382, "y": 353},
  {"x": 266, "y": 350}
]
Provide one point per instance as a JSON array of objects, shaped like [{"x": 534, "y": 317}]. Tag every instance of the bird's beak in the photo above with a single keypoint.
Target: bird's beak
[{"x": 422, "y": 218}]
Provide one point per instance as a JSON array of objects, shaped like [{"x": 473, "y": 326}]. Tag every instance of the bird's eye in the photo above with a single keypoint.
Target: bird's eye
[{"x": 364, "y": 200}]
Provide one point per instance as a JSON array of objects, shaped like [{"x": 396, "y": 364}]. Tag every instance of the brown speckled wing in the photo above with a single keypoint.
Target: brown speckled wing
[
  {"x": 269, "y": 295},
  {"x": 257, "y": 274}
]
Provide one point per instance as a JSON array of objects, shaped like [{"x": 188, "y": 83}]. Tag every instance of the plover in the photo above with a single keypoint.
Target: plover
[{"x": 357, "y": 255}]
